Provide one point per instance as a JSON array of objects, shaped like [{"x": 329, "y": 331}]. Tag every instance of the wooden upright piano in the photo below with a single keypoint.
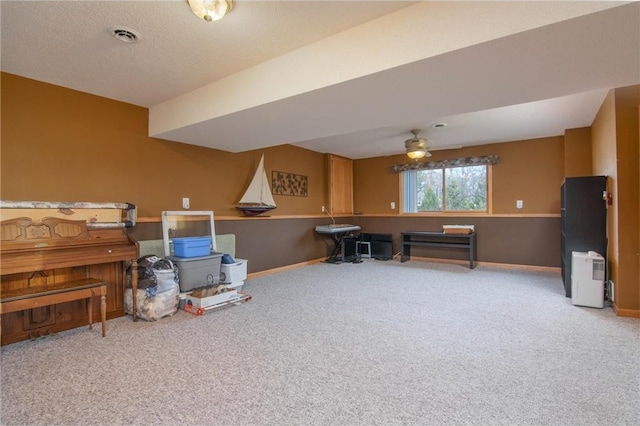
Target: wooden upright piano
[{"x": 44, "y": 252}]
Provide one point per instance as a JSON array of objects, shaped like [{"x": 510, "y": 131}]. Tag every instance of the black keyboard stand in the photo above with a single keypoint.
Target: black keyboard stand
[
  {"x": 337, "y": 255},
  {"x": 338, "y": 235}
]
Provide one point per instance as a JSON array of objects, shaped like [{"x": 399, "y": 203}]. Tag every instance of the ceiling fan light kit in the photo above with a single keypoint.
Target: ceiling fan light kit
[
  {"x": 210, "y": 10},
  {"x": 416, "y": 153},
  {"x": 416, "y": 147}
]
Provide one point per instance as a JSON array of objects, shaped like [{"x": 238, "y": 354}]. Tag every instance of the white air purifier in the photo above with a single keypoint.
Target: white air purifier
[{"x": 587, "y": 279}]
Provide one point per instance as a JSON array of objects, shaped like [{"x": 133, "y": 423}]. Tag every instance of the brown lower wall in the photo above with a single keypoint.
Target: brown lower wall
[
  {"x": 274, "y": 243},
  {"x": 266, "y": 243},
  {"x": 531, "y": 241}
]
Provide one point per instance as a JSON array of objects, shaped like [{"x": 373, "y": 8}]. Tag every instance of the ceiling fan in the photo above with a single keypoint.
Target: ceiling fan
[{"x": 416, "y": 146}]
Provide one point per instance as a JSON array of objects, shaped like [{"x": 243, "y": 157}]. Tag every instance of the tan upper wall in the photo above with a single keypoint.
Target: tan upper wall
[
  {"x": 627, "y": 129},
  {"x": 615, "y": 134},
  {"x": 63, "y": 145},
  {"x": 577, "y": 152},
  {"x": 530, "y": 170},
  {"x": 604, "y": 163}
]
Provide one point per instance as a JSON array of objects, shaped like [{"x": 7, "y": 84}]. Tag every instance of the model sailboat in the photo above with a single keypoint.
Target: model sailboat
[{"x": 257, "y": 199}]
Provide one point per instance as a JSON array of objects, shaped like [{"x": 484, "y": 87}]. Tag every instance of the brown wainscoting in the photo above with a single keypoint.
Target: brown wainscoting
[
  {"x": 272, "y": 242},
  {"x": 268, "y": 243},
  {"x": 516, "y": 240},
  {"x": 285, "y": 268},
  {"x": 465, "y": 263}
]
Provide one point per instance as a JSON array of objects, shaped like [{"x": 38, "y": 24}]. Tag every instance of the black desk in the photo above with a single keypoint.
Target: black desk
[
  {"x": 439, "y": 239},
  {"x": 337, "y": 232}
]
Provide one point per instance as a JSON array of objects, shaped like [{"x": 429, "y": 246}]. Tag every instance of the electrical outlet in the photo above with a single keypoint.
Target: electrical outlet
[
  {"x": 393, "y": 205},
  {"x": 323, "y": 209},
  {"x": 185, "y": 203},
  {"x": 519, "y": 204}
]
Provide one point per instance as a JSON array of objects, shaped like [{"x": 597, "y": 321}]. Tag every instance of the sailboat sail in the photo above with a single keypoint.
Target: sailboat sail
[{"x": 257, "y": 198}]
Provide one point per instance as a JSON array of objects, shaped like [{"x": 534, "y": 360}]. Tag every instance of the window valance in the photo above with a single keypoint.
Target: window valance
[{"x": 455, "y": 162}]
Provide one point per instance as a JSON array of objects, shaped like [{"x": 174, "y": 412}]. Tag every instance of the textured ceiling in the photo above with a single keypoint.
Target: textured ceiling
[
  {"x": 68, "y": 43},
  {"x": 349, "y": 77}
]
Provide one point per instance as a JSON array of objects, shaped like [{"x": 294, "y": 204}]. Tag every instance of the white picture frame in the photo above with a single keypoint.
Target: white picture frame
[{"x": 170, "y": 221}]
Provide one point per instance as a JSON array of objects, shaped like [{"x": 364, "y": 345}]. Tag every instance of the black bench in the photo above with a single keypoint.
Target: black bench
[{"x": 438, "y": 239}]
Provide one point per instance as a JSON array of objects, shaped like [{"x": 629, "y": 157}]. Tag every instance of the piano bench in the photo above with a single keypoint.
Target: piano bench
[{"x": 36, "y": 297}]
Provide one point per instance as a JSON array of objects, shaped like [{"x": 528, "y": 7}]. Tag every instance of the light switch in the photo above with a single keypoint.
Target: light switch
[{"x": 519, "y": 204}]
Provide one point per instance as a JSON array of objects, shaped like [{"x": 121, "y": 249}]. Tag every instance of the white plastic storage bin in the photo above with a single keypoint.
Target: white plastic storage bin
[
  {"x": 236, "y": 285},
  {"x": 233, "y": 272},
  {"x": 587, "y": 279}
]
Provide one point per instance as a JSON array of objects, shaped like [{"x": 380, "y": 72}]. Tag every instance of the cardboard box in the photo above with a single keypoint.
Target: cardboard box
[
  {"x": 192, "y": 246},
  {"x": 211, "y": 300},
  {"x": 233, "y": 272},
  {"x": 197, "y": 271},
  {"x": 458, "y": 229}
]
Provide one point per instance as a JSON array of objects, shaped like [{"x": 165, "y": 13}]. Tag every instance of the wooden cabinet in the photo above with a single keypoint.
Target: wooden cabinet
[
  {"x": 583, "y": 220},
  {"x": 340, "y": 184}
]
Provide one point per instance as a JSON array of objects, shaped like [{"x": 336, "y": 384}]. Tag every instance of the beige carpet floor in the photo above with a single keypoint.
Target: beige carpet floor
[{"x": 376, "y": 343}]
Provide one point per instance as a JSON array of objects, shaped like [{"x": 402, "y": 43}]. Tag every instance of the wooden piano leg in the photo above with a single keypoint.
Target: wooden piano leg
[
  {"x": 90, "y": 311},
  {"x": 103, "y": 311},
  {"x": 134, "y": 288}
]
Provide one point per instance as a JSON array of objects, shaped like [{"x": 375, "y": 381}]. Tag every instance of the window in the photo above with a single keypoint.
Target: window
[{"x": 446, "y": 189}]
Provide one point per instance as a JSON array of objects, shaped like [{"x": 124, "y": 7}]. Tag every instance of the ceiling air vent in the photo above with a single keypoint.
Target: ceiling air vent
[{"x": 126, "y": 35}]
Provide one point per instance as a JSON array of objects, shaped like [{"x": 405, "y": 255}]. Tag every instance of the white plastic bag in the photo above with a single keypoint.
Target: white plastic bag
[
  {"x": 166, "y": 280},
  {"x": 153, "y": 308}
]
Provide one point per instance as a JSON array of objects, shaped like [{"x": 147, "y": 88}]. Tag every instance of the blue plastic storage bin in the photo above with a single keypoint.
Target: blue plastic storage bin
[{"x": 192, "y": 246}]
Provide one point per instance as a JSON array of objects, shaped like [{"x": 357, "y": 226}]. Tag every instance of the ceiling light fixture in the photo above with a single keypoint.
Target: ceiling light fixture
[
  {"x": 416, "y": 147},
  {"x": 211, "y": 10}
]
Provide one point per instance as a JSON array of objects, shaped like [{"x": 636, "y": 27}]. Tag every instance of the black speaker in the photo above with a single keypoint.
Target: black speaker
[
  {"x": 381, "y": 245},
  {"x": 350, "y": 248}
]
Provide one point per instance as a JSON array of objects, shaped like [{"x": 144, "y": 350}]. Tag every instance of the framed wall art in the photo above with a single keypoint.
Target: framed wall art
[{"x": 283, "y": 183}]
